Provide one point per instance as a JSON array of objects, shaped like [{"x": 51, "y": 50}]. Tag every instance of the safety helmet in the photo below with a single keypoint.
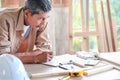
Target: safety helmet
[{"x": 11, "y": 68}]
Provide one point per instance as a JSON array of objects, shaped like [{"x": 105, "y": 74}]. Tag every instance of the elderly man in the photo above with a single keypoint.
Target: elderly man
[{"x": 23, "y": 32}]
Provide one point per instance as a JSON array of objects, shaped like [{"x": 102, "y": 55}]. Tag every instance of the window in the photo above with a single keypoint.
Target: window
[
  {"x": 115, "y": 6},
  {"x": 85, "y": 33}
]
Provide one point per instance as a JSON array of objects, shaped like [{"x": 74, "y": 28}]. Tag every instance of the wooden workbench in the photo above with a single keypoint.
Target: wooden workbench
[{"x": 40, "y": 68}]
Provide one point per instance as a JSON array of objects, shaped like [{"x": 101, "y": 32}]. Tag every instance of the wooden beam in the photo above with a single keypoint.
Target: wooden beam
[
  {"x": 99, "y": 41},
  {"x": 86, "y": 34},
  {"x": 107, "y": 49},
  {"x": 70, "y": 28},
  {"x": 86, "y": 39},
  {"x": 82, "y": 15},
  {"x": 85, "y": 23},
  {"x": 111, "y": 26}
]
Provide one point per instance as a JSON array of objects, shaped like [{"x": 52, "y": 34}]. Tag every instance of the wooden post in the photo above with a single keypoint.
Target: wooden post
[
  {"x": 84, "y": 23},
  {"x": 86, "y": 39},
  {"x": 82, "y": 15},
  {"x": 111, "y": 26},
  {"x": 70, "y": 28},
  {"x": 106, "y": 43},
  {"x": 99, "y": 41}
]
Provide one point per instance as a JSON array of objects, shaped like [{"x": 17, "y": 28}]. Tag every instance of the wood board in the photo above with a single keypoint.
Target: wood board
[{"x": 113, "y": 58}]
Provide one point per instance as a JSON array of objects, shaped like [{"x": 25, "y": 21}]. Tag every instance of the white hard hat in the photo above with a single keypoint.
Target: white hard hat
[{"x": 11, "y": 68}]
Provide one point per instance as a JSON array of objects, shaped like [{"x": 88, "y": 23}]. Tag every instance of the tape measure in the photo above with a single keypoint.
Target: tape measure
[{"x": 75, "y": 74}]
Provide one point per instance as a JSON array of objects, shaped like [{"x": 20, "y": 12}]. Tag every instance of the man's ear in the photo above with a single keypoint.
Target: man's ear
[{"x": 27, "y": 12}]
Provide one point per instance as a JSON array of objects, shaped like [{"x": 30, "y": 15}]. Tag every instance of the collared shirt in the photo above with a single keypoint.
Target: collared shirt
[{"x": 12, "y": 28}]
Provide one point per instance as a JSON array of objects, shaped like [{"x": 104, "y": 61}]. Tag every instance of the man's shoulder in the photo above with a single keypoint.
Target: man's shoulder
[
  {"x": 10, "y": 9},
  {"x": 4, "y": 11},
  {"x": 9, "y": 12}
]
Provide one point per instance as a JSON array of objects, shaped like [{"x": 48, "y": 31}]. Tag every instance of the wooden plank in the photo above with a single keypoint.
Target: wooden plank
[
  {"x": 86, "y": 34},
  {"x": 95, "y": 14},
  {"x": 86, "y": 39},
  {"x": 115, "y": 34},
  {"x": 70, "y": 28},
  {"x": 87, "y": 16},
  {"x": 111, "y": 26},
  {"x": 111, "y": 57},
  {"x": 104, "y": 28},
  {"x": 99, "y": 41},
  {"x": 84, "y": 23},
  {"x": 82, "y": 15},
  {"x": 99, "y": 70}
]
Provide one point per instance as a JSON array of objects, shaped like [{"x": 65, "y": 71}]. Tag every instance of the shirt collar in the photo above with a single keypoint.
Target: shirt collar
[{"x": 20, "y": 20}]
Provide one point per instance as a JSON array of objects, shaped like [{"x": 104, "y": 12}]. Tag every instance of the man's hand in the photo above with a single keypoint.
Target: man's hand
[
  {"x": 35, "y": 56},
  {"x": 43, "y": 57}
]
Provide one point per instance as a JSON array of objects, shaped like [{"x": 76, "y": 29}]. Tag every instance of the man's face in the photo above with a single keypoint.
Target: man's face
[{"x": 36, "y": 19}]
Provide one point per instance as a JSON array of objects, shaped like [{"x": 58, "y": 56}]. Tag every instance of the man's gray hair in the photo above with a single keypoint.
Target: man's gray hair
[{"x": 35, "y": 6}]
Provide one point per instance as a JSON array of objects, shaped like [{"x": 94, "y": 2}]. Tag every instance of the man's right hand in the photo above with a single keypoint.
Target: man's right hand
[
  {"x": 43, "y": 57},
  {"x": 35, "y": 56}
]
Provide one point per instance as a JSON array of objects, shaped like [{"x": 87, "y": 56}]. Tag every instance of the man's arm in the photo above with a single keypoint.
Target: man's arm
[
  {"x": 4, "y": 34},
  {"x": 42, "y": 53},
  {"x": 35, "y": 56}
]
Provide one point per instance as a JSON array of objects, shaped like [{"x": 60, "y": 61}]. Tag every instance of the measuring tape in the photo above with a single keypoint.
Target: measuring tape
[{"x": 74, "y": 74}]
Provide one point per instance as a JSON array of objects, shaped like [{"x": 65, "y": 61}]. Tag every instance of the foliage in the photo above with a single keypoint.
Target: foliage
[{"x": 77, "y": 43}]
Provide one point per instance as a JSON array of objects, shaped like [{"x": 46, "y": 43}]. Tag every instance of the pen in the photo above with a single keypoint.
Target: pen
[
  {"x": 60, "y": 66},
  {"x": 65, "y": 63}
]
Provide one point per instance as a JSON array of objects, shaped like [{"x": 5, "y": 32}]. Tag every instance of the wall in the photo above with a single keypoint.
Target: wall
[
  {"x": 60, "y": 16},
  {"x": 58, "y": 27}
]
